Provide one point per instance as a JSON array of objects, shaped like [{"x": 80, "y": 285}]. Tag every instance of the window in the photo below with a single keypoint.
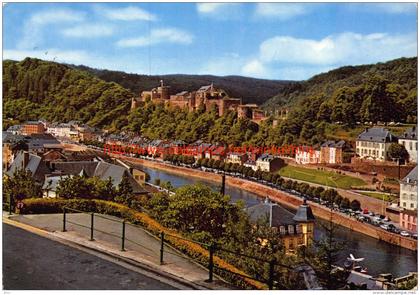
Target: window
[
  {"x": 411, "y": 205},
  {"x": 411, "y": 145},
  {"x": 404, "y": 204}
]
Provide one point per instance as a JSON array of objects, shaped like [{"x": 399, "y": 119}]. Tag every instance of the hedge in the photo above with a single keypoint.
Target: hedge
[{"x": 193, "y": 250}]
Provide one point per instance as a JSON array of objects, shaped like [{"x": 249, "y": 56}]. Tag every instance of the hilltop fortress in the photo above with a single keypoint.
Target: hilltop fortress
[{"x": 207, "y": 96}]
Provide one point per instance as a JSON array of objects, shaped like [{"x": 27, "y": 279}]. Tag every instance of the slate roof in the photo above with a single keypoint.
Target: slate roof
[
  {"x": 102, "y": 170},
  {"x": 266, "y": 158},
  {"x": 265, "y": 210},
  {"x": 35, "y": 165},
  {"x": 412, "y": 177},
  {"x": 332, "y": 143},
  {"x": 410, "y": 133},
  {"x": 377, "y": 134},
  {"x": 304, "y": 213}
]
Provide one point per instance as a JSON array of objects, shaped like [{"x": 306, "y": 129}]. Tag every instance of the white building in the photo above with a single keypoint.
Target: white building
[
  {"x": 409, "y": 141},
  {"x": 408, "y": 191},
  {"x": 373, "y": 143},
  {"x": 268, "y": 163},
  {"x": 307, "y": 155}
]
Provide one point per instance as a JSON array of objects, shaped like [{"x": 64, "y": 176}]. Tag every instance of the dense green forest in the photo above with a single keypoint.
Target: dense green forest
[
  {"x": 34, "y": 89},
  {"x": 381, "y": 92},
  {"x": 251, "y": 90}
]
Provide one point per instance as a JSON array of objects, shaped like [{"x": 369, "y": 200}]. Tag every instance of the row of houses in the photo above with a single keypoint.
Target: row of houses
[
  {"x": 47, "y": 171},
  {"x": 372, "y": 143},
  {"x": 73, "y": 130}
]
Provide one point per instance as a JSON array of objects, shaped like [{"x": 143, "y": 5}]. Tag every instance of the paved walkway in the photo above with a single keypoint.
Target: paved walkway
[{"x": 140, "y": 246}]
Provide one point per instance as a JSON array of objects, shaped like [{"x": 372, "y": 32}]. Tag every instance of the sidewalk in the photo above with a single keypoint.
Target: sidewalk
[{"x": 140, "y": 246}]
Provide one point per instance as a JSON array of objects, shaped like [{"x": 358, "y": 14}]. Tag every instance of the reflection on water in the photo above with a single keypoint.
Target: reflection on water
[{"x": 380, "y": 257}]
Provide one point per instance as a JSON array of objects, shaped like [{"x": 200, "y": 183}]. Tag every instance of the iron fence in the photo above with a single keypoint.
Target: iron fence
[{"x": 211, "y": 247}]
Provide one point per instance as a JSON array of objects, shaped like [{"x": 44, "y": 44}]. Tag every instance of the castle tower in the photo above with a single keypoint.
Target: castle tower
[{"x": 305, "y": 218}]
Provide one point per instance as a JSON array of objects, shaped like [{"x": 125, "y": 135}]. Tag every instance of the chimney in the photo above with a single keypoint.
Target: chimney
[{"x": 25, "y": 159}]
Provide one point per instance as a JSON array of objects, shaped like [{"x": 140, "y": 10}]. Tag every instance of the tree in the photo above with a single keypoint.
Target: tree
[
  {"x": 125, "y": 191},
  {"x": 70, "y": 187},
  {"x": 397, "y": 151},
  {"x": 20, "y": 186},
  {"x": 324, "y": 256},
  {"x": 355, "y": 205}
]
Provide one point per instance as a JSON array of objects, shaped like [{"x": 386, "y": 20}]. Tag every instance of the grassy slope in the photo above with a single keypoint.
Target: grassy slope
[{"x": 321, "y": 177}]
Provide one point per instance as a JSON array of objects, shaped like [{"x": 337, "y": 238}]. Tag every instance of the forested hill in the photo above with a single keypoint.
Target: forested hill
[
  {"x": 383, "y": 91},
  {"x": 250, "y": 89},
  {"x": 34, "y": 89}
]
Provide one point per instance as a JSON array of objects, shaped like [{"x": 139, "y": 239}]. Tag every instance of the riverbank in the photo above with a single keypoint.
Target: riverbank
[{"x": 285, "y": 199}]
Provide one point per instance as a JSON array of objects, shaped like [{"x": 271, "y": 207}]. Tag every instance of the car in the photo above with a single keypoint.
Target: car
[
  {"x": 414, "y": 236},
  {"x": 404, "y": 233},
  {"x": 384, "y": 226},
  {"x": 371, "y": 214},
  {"x": 387, "y": 219}
]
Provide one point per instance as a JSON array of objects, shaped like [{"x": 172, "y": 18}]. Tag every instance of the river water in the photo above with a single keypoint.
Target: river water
[{"x": 380, "y": 257}]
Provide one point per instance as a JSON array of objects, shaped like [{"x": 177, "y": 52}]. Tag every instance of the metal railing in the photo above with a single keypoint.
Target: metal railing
[{"x": 212, "y": 248}]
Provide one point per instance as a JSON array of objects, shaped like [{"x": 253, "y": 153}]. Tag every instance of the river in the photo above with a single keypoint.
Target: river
[{"x": 380, "y": 257}]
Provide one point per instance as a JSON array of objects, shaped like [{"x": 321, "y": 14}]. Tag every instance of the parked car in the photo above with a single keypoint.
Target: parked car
[
  {"x": 404, "y": 233},
  {"x": 371, "y": 214},
  {"x": 384, "y": 226},
  {"x": 414, "y": 236},
  {"x": 387, "y": 219}
]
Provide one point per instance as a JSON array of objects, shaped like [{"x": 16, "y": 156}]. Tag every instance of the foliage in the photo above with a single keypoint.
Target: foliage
[
  {"x": 251, "y": 90},
  {"x": 85, "y": 188},
  {"x": 397, "y": 151},
  {"x": 382, "y": 92},
  {"x": 35, "y": 89},
  {"x": 323, "y": 257},
  {"x": 20, "y": 186}
]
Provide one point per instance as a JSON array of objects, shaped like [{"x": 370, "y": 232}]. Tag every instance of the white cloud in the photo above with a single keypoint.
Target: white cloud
[
  {"x": 129, "y": 13},
  {"x": 281, "y": 11},
  {"x": 390, "y": 8},
  {"x": 89, "y": 31},
  {"x": 157, "y": 36},
  {"x": 33, "y": 27},
  {"x": 56, "y": 16},
  {"x": 254, "y": 68},
  {"x": 210, "y": 7},
  {"x": 344, "y": 48},
  {"x": 64, "y": 56},
  {"x": 222, "y": 11}
]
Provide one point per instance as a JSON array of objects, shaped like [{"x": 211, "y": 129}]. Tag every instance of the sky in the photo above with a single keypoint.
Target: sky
[{"x": 281, "y": 41}]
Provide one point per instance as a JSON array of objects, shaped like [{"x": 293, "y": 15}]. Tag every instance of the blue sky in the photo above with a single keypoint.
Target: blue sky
[{"x": 292, "y": 41}]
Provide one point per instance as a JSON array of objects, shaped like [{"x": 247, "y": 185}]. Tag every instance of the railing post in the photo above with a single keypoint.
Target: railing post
[
  {"x": 64, "y": 219},
  {"x": 271, "y": 274},
  {"x": 162, "y": 241},
  {"x": 211, "y": 262},
  {"x": 10, "y": 204},
  {"x": 91, "y": 226},
  {"x": 123, "y": 236}
]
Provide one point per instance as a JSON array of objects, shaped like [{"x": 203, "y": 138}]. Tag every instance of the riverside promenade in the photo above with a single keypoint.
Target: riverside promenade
[{"x": 141, "y": 249}]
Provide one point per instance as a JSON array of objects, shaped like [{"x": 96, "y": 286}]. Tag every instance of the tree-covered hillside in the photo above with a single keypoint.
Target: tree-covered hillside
[
  {"x": 381, "y": 92},
  {"x": 34, "y": 89},
  {"x": 250, "y": 89}
]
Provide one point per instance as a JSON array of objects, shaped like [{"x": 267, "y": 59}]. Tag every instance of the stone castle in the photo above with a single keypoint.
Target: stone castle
[{"x": 207, "y": 96}]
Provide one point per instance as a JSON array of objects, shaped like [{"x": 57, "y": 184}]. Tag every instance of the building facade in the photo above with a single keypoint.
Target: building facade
[
  {"x": 373, "y": 143},
  {"x": 332, "y": 152},
  {"x": 307, "y": 155},
  {"x": 409, "y": 141},
  {"x": 32, "y": 127},
  {"x": 408, "y": 191},
  {"x": 268, "y": 163}
]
